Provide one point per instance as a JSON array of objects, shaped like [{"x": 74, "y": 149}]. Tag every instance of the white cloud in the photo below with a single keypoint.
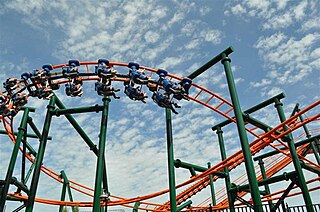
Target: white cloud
[
  {"x": 213, "y": 36},
  {"x": 291, "y": 59},
  {"x": 151, "y": 37},
  {"x": 238, "y": 9},
  {"x": 262, "y": 83},
  {"x": 270, "y": 92},
  {"x": 311, "y": 24},
  {"x": 273, "y": 14},
  {"x": 204, "y": 10}
]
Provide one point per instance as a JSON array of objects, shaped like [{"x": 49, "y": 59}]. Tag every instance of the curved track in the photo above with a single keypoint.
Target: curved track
[{"x": 212, "y": 101}]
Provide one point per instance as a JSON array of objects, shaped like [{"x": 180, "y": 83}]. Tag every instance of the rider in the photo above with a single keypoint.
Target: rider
[
  {"x": 137, "y": 76},
  {"x": 20, "y": 99},
  {"x": 104, "y": 70},
  {"x": 106, "y": 89},
  {"x": 135, "y": 93},
  {"x": 164, "y": 101},
  {"x": 74, "y": 88},
  {"x": 72, "y": 69}
]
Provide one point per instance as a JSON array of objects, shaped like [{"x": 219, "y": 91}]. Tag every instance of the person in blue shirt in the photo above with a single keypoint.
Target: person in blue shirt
[
  {"x": 179, "y": 90},
  {"x": 106, "y": 89},
  {"x": 104, "y": 70},
  {"x": 135, "y": 93},
  {"x": 71, "y": 70},
  {"x": 163, "y": 100},
  {"x": 137, "y": 76},
  {"x": 74, "y": 88}
]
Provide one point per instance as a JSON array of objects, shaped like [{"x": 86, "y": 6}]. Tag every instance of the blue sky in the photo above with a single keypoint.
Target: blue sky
[{"x": 277, "y": 49}]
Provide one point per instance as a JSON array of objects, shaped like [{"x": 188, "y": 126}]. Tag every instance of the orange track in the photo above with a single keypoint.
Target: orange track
[{"x": 222, "y": 107}]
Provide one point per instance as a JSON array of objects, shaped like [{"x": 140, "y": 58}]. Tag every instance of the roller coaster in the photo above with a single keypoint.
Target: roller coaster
[{"x": 166, "y": 91}]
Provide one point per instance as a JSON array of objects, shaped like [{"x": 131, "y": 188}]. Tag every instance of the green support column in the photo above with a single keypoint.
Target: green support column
[
  {"x": 264, "y": 176},
  {"x": 226, "y": 170},
  {"x": 83, "y": 135},
  {"x": 135, "y": 207},
  {"x": 252, "y": 178},
  {"x": 172, "y": 184},
  {"x": 213, "y": 196},
  {"x": 184, "y": 205},
  {"x": 23, "y": 158},
  {"x": 295, "y": 159},
  {"x": 313, "y": 147},
  {"x": 29, "y": 173},
  {"x": 65, "y": 187},
  {"x": 40, "y": 156},
  {"x": 101, "y": 156},
  {"x": 21, "y": 132},
  {"x": 63, "y": 196}
]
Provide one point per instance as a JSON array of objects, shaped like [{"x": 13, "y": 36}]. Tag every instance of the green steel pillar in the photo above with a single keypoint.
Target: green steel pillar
[
  {"x": 65, "y": 187},
  {"x": 172, "y": 184},
  {"x": 101, "y": 156},
  {"x": 213, "y": 196},
  {"x": 264, "y": 176},
  {"x": 23, "y": 160},
  {"x": 40, "y": 155},
  {"x": 252, "y": 178},
  {"x": 21, "y": 132},
  {"x": 226, "y": 170},
  {"x": 83, "y": 135},
  {"x": 136, "y": 206},
  {"x": 63, "y": 196},
  {"x": 314, "y": 149},
  {"x": 295, "y": 159}
]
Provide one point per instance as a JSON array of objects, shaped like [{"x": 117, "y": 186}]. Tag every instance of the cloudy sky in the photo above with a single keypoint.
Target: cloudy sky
[{"x": 277, "y": 49}]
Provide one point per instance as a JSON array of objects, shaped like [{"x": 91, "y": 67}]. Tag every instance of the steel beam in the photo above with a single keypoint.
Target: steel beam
[
  {"x": 22, "y": 129},
  {"x": 40, "y": 155},
  {"x": 172, "y": 184},
  {"x": 101, "y": 156},
  {"x": 252, "y": 178}
]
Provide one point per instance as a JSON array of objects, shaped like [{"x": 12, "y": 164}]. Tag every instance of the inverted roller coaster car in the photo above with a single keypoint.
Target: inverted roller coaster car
[
  {"x": 133, "y": 65},
  {"x": 47, "y": 68},
  {"x": 103, "y": 61},
  {"x": 162, "y": 72},
  {"x": 74, "y": 63},
  {"x": 186, "y": 84}
]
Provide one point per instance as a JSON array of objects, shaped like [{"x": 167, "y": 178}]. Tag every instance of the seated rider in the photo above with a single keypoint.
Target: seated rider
[
  {"x": 167, "y": 85},
  {"x": 74, "y": 88},
  {"x": 104, "y": 70},
  {"x": 183, "y": 88},
  {"x": 11, "y": 84},
  {"x": 164, "y": 101},
  {"x": 7, "y": 107},
  {"x": 45, "y": 91},
  {"x": 106, "y": 89},
  {"x": 38, "y": 76},
  {"x": 135, "y": 93},
  {"x": 137, "y": 76},
  {"x": 20, "y": 99},
  {"x": 71, "y": 70}
]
